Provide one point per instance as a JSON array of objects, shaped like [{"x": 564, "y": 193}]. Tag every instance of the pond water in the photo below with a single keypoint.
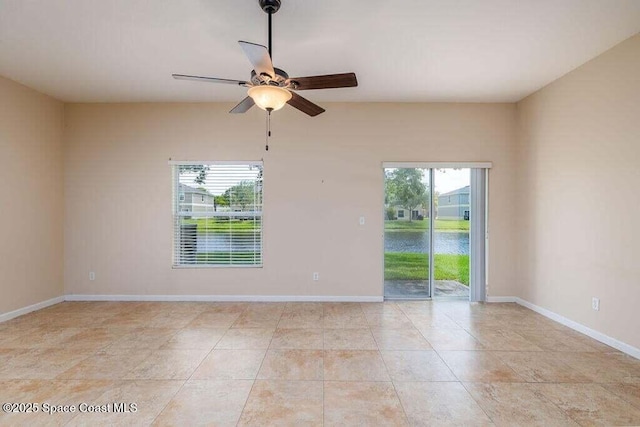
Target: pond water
[
  {"x": 215, "y": 242},
  {"x": 404, "y": 241},
  {"x": 412, "y": 241}
]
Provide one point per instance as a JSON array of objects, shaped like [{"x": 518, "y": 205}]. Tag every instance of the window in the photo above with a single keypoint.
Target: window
[
  {"x": 229, "y": 231},
  {"x": 182, "y": 197},
  {"x": 202, "y": 198},
  {"x": 400, "y": 213}
]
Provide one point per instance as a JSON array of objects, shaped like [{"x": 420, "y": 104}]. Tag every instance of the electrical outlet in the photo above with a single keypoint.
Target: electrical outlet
[
  {"x": 92, "y": 275},
  {"x": 595, "y": 303},
  {"x": 361, "y": 220},
  {"x": 316, "y": 277}
]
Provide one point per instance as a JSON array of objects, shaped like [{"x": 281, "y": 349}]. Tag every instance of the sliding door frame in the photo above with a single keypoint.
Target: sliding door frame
[
  {"x": 478, "y": 281},
  {"x": 432, "y": 223}
]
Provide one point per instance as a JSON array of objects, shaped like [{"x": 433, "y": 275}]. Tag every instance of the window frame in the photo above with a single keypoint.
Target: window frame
[{"x": 176, "y": 212}]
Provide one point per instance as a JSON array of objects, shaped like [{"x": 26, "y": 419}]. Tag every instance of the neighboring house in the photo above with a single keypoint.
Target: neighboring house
[
  {"x": 406, "y": 215},
  {"x": 454, "y": 204},
  {"x": 198, "y": 200},
  {"x": 195, "y": 200}
]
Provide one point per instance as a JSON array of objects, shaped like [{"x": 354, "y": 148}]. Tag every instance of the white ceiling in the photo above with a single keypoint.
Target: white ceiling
[{"x": 408, "y": 50}]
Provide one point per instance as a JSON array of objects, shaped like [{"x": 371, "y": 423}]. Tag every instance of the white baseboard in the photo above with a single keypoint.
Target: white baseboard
[
  {"x": 501, "y": 299},
  {"x": 599, "y": 336},
  {"x": 225, "y": 298},
  {"x": 28, "y": 309}
]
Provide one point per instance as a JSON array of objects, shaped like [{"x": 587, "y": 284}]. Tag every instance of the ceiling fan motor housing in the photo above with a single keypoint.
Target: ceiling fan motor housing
[
  {"x": 280, "y": 78},
  {"x": 269, "y": 6}
]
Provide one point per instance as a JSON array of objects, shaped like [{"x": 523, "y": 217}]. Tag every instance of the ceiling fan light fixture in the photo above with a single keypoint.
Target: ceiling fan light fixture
[{"x": 268, "y": 97}]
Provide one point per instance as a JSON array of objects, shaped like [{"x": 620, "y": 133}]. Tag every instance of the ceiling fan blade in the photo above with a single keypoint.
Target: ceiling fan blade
[
  {"x": 304, "y": 105},
  {"x": 259, "y": 57},
  {"x": 210, "y": 79},
  {"x": 243, "y": 106},
  {"x": 329, "y": 81}
]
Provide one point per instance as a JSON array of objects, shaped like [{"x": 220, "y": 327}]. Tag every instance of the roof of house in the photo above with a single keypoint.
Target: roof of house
[
  {"x": 463, "y": 190},
  {"x": 187, "y": 189}
]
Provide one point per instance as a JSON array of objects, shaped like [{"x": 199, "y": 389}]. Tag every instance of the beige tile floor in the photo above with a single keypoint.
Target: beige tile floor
[{"x": 393, "y": 363}]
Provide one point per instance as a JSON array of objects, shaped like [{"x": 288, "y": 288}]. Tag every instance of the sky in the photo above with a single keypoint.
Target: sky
[{"x": 451, "y": 179}]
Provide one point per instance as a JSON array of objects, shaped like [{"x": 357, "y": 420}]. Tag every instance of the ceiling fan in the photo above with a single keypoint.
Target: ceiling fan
[{"x": 269, "y": 87}]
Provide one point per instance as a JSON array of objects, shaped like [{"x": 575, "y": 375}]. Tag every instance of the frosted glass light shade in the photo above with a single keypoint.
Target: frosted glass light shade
[{"x": 269, "y": 97}]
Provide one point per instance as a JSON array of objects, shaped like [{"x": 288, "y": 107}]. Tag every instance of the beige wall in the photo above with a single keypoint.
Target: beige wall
[
  {"x": 579, "y": 157},
  {"x": 31, "y": 247},
  {"x": 321, "y": 175}
]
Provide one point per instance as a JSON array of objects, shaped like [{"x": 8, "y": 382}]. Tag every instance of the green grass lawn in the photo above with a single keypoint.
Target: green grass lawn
[
  {"x": 210, "y": 224},
  {"x": 415, "y": 225},
  {"x": 415, "y": 266},
  {"x": 451, "y": 225}
]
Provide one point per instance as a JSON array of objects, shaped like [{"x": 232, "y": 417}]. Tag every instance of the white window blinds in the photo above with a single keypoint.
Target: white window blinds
[{"x": 217, "y": 214}]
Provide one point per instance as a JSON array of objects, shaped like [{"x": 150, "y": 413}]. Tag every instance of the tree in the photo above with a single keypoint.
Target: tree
[
  {"x": 404, "y": 187},
  {"x": 200, "y": 170},
  {"x": 219, "y": 201},
  {"x": 243, "y": 194}
]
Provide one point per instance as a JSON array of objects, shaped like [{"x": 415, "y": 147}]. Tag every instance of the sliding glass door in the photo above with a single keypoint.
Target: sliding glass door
[
  {"x": 407, "y": 233},
  {"x": 451, "y": 232},
  {"x": 428, "y": 238}
]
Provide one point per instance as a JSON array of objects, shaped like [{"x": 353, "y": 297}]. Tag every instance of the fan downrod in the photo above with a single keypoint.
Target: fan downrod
[{"x": 269, "y": 6}]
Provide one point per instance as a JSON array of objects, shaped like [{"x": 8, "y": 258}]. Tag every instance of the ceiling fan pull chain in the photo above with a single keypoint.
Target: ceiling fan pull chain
[{"x": 268, "y": 130}]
